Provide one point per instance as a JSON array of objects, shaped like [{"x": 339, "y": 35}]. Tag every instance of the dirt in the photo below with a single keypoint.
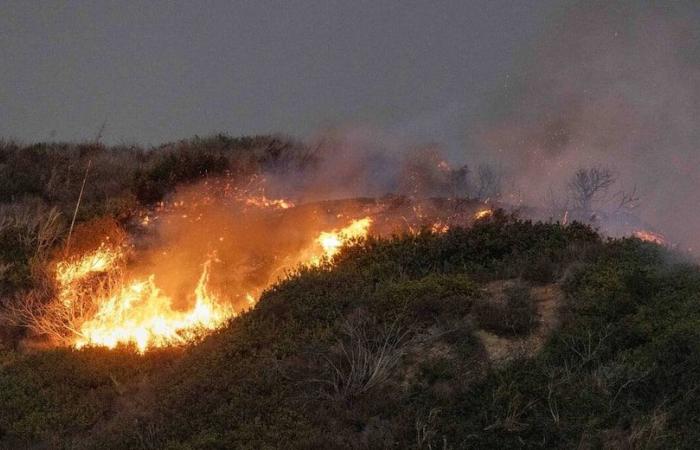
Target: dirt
[{"x": 547, "y": 300}]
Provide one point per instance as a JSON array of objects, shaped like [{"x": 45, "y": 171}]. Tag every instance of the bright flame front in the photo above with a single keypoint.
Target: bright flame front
[
  {"x": 136, "y": 312},
  {"x": 332, "y": 241},
  {"x": 139, "y": 313}
]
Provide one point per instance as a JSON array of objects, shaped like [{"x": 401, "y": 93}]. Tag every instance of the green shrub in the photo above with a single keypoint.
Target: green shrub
[
  {"x": 513, "y": 315},
  {"x": 620, "y": 369}
]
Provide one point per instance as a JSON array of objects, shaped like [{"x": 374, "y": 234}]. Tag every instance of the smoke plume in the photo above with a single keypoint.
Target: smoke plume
[{"x": 614, "y": 84}]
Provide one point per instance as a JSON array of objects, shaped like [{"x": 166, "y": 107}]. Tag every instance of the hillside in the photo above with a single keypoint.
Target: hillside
[{"x": 392, "y": 347}]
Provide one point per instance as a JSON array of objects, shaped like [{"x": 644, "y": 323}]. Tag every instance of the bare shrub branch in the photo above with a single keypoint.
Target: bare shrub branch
[
  {"x": 364, "y": 357},
  {"x": 587, "y": 185},
  {"x": 628, "y": 200},
  {"x": 426, "y": 430}
]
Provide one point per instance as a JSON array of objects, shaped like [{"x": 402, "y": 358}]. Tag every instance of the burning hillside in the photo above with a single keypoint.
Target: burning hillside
[
  {"x": 194, "y": 262},
  {"x": 189, "y": 264},
  {"x": 136, "y": 311},
  {"x": 184, "y": 266}
]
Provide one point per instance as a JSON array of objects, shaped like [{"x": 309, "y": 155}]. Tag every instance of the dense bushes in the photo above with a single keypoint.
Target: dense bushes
[
  {"x": 59, "y": 394},
  {"x": 120, "y": 175},
  {"x": 610, "y": 376},
  {"x": 172, "y": 169},
  {"x": 28, "y": 232}
]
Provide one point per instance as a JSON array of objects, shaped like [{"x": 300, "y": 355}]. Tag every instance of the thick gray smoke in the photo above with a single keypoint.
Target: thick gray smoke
[{"x": 614, "y": 84}]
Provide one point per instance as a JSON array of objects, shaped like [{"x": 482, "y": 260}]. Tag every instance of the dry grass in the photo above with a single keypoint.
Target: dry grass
[
  {"x": 364, "y": 356},
  {"x": 37, "y": 226},
  {"x": 426, "y": 431}
]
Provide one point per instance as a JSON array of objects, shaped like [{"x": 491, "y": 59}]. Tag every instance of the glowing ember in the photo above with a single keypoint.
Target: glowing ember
[
  {"x": 650, "y": 236},
  {"x": 264, "y": 202},
  {"x": 444, "y": 166},
  {"x": 483, "y": 214},
  {"x": 439, "y": 228}
]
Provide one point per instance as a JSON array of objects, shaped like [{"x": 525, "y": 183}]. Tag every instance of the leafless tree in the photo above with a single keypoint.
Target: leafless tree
[
  {"x": 588, "y": 185},
  {"x": 627, "y": 200}
]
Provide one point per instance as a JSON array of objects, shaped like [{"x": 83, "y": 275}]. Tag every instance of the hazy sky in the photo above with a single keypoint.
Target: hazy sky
[{"x": 158, "y": 71}]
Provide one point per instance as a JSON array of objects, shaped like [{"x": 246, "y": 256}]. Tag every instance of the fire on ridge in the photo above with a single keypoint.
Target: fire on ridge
[{"x": 207, "y": 255}]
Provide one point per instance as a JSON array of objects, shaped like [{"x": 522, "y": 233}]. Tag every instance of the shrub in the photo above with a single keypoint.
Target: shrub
[
  {"x": 512, "y": 315},
  {"x": 173, "y": 168},
  {"x": 364, "y": 356},
  {"x": 28, "y": 232}
]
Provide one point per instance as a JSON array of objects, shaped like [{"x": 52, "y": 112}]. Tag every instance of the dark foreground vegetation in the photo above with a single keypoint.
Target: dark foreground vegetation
[
  {"x": 430, "y": 341},
  {"x": 382, "y": 351}
]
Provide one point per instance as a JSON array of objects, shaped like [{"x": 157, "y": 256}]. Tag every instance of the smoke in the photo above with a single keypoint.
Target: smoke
[
  {"x": 362, "y": 161},
  {"x": 614, "y": 84},
  {"x": 608, "y": 84},
  {"x": 250, "y": 246}
]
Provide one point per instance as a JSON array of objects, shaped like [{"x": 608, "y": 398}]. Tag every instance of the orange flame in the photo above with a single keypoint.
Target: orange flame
[
  {"x": 483, "y": 214},
  {"x": 139, "y": 313},
  {"x": 98, "y": 261},
  {"x": 650, "y": 236},
  {"x": 333, "y": 240}
]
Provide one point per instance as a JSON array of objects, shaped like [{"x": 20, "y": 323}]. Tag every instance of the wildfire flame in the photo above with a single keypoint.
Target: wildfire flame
[
  {"x": 650, "y": 236},
  {"x": 98, "y": 261},
  {"x": 483, "y": 214},
  {"x": 139, "y": 313},
  {"x": 332, "y": 241}
]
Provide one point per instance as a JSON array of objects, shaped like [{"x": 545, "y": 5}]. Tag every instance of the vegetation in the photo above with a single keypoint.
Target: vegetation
[
  {"x": 384, "y": 348},
  {"x": 39, "y": 185},
  {"x": 380, "y": 350}
]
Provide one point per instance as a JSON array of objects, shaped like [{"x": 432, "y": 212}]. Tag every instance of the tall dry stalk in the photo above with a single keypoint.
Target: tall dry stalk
[{"x": 77, "y": 206}]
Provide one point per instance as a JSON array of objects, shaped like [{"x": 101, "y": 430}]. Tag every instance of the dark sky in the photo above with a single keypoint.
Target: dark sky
[{"x": 158, "y": 71}]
